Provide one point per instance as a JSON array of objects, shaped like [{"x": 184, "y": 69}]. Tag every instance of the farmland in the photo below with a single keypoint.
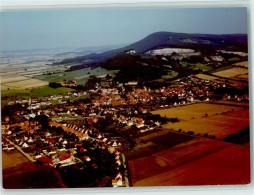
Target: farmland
[
  {"x": 239, "y": 81},
  {"x": 44, "y": 91},
  {"x": 232, "y": 72},
  {"x": 195, "y": 111},
  {"x": 221, "y": 119},
  {"x": 12, "y": 158},
  {"x": 243, "y": 64},
  {"x": 155, "y": 142},
  {"x": 81, "y": 76},
  {"x": 26, "y": 84},
  {"x": 199, "y": 161},
  {"x": 197, "y": 66}
]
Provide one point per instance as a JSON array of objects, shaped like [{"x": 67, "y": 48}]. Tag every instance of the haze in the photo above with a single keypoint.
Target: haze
[{"x": 96, "y": 27}]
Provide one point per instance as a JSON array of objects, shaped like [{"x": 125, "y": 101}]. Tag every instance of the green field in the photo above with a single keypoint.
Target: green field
[
  {"x": 233, "y": 59},
  {"x": 169, "y": 76},
  {"x": 39, "y": 92},
  {"x": 44, "y": 91},
  {"x": 81, "y": 76},
  {"x": 15, "y": 92},
  {"x": 197, "y": 66}
]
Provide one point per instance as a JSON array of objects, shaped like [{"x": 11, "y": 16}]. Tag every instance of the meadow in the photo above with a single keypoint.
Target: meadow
[{"x": 81, "y": 76}]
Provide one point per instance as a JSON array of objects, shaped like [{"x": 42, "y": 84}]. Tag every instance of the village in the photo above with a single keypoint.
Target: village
[{"x": 87, "y": 133}]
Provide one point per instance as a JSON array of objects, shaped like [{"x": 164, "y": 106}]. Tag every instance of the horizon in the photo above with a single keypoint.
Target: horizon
[{"x": 85, "y": 28}]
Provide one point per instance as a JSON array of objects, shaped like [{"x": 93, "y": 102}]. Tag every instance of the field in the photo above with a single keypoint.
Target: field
[
  {"x": 199, "y": 161},
  {"x": 198, "y": 110},
  {"x": 44, "y": 91},
  {"x": 206, "y": 77},
  {"x": 81, "y": 76},
  {"x": 197, "y": 66},
  {"x": 232, "y": 72},
  {"x": 239, "y": 81},
  {"x": 38, "y": 92},
  {"x": 29, "y": 175},
  {"x": 155, "y": 142},
  {"x": 218, "y": 120},
  {"x": 13, "y": 158},
  {"x": 244, "y": 64},
  {"x": 16, "y": 167}
]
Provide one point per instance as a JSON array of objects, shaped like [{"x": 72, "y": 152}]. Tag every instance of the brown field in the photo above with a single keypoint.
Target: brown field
[
  {"x": 156, "y": 142},
  {"x": 243, "y": 77},
  {"x": 29, "y": 175},
  {"x": 25, "y": 84},
  {"x": 13, "y": 158},
  {"x": 222, "y": 120},
  {"x": 245, "y": 64},
  {"x": 232, "y": 72},
  {"x": 12, "y": 78},
  {"x": 199, "y": 161},
  {"x": 220, "y": 126},
  {"x": 232, "y": 103},
  {"x": 16, "y": 167},
  {"x": 238, "y": 81},
  {"x": 195, "y": 110},
  {"x": 207, "y": 77}
]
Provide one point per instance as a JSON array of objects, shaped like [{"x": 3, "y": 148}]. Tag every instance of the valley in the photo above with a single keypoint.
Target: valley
[{"x": 170, "y": 109}]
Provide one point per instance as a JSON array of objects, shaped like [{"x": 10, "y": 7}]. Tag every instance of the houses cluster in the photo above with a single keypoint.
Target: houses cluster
[
  {"x": 58, "y": 145},
  {"x": 6, "y": 145}
]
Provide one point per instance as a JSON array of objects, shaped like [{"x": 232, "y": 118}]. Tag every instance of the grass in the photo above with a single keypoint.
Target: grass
[
  {"x": 233, "y": 59},
  {"x": 222, "y": 68},
  {"x": 81, "y": 76},
  {"x": 15, "y": 92},
  {"x": 169, "y": 76},
  {"x": 44, "y": 91},
  {"x": 197, "y": 66},
  {"x": 83, "y": 97}
]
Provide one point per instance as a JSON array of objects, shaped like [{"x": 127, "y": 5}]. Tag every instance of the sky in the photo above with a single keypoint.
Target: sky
[{"x": 98, "y": 27}]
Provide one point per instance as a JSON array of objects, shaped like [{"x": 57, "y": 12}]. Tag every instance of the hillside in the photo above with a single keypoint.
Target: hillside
[{"x": 206, "y": 43}]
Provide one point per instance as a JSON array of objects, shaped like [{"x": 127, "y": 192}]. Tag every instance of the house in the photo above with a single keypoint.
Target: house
[
  {"x": 114, "y": 144},
  {"x": 119, "y": 176},
  {"x": 117, "y": 182},
  {"x": 140, "y": 125},
  {"x": 87, "y": 158}
]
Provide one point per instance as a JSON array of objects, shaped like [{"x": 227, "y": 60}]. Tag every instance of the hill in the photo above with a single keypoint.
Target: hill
[{"x": 206, "y": 43}]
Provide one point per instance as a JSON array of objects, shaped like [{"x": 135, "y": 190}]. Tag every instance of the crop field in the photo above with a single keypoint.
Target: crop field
[
  {"x": 232, "y": 103},
  {"x": 218, "y": 120},
  {"x": 12, "y": 158},
  {"x": 232, "y": 72},
  {"x": 243, "y": 77},
  {"x": 239, "y": 81},
  {"x": 12, "y": 78},
  {"x": 206, "y": 77},
  {"x": 155, "y": 142},
  {"x": 244, "y": 64},
  {"x": 195, "y": 111},
  {"x": 219, "y": 126},
  {"x": 199, "y": 161},
  {"x": 26, "y": 84},
  {"x": 28, "y": 175}
]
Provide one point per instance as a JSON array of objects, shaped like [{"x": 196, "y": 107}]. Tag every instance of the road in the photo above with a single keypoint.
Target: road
[{"x": 125, "y": 173}]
